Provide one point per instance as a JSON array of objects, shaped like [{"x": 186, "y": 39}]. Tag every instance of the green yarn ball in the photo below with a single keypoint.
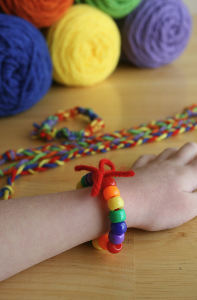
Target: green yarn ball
[{"x": 115, "y": 8}]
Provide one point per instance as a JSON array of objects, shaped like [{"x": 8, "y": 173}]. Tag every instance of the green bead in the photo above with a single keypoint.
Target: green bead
[
  {"x": 83, "y": 181},
  {"x": 117, "y": 216}
]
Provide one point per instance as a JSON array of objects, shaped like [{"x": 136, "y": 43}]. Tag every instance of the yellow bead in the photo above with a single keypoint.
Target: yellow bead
[
  {"x": 115, "y": 203},
  {"x": 79, "y": 186},
  {"x": 96, "y": 245}
]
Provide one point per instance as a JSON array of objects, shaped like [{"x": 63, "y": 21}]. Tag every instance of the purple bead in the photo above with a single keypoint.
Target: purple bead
[
  {"x": 116, "y": 238},
  {"x": 89, "y": 179},
  {"x": 118, "y": 228}
]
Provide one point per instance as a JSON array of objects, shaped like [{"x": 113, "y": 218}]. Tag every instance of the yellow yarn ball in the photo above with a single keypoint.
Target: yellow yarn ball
[{"x": 84, "y": 46}]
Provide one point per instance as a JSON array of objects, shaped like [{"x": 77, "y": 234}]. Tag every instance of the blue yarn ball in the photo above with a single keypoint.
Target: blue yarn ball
[{"x": 25, "y": 65}]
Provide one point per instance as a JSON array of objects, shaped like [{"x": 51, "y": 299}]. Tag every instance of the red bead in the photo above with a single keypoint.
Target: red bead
[
  {"x": 114, "y": 248},
  {"x": 108, "y": 181}
]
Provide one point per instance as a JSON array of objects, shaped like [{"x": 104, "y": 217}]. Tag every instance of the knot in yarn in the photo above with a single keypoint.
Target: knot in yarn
[
  {"x": 84, "y": 46},
  {"x": 41, "y": 13},
  {"x": 115, "y": 8},
  {"x": 156, "y": 32},
  {"x": 98, "y": 174},
  {"x": 25, "y": 64}
]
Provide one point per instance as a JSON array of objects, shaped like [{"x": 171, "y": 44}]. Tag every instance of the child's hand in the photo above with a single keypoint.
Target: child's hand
[{"x": 162, "y": 193}]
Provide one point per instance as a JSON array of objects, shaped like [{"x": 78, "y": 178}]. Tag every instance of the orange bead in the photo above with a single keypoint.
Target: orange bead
[
  {"x": 103, "y": 241},
  {"x": 111, "y": 191}
]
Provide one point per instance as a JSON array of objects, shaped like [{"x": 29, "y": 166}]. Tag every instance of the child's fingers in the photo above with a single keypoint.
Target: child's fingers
[
  {"x": 166, "y": 154},
  {"x": 143, "y": 160},
  {"x": 193, "y": 164},
  {"x": 185, "y": 154}
]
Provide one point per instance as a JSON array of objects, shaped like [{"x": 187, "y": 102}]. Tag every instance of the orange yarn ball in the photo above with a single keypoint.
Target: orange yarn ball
[{"x": 41, "y": 13}]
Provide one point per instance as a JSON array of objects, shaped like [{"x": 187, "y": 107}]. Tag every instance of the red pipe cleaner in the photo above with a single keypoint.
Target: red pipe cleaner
[{"x": 100, "y": 173}]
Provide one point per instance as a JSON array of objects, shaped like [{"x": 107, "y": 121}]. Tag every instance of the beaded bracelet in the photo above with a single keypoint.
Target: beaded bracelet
[{"x": 102, "y": 180}]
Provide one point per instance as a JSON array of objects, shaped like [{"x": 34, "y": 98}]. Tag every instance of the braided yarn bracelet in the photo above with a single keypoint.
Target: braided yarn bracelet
[
  {"x": 16, "y": 163},
  {"x": 102, "y": 181}
]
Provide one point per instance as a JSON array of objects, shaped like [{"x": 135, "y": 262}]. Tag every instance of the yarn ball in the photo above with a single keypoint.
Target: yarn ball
[
  {"x": 25, "y": 64},
  {"x": 84, "y": 46},
  {"x": 115, "y": 8},
  {"x": 41, "y": 13},
  {"x": 156, "y": 32}
]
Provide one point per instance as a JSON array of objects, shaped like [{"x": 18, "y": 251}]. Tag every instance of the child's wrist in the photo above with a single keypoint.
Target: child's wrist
[
  {"x": 95, "y": 213},
  {"x": 129, "y": 192}
]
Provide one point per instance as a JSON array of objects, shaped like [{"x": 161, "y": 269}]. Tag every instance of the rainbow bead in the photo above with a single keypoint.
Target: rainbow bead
[
  {"x": 116, "y": 238},
  {"x": 79, "y": 186},
  {"x": 114, "y": 248},
  {"x": 103, "y": 240},
  {"x": 107, "y": 182},
  {"x": 118, "y": 228},
  {"x": 89, "y": 179},
  {"x": 96, "y": 245},
  {"x": 110, "y": 191},
  {"x": 117, "y": 216},
  {"x": 84, "y": 182},
  {"x": 115, "y": 203}
]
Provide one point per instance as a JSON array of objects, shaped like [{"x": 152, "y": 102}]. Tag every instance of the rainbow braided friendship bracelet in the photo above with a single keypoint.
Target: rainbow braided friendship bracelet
[
  {"x": 85, "y": 142},
  {"x": 103, "y": 180}
]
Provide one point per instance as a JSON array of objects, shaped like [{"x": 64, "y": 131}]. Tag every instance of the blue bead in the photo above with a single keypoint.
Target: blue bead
[{"x": 118, "y": 228}]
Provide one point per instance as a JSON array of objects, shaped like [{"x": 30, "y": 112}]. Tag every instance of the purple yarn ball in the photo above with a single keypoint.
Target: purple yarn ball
[{"x": 156, "y": 32}]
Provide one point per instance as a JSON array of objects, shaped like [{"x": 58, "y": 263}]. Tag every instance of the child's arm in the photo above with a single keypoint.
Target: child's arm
[
  {"x": 159, "y": 196},
  {"x": 34, "y": 229}
]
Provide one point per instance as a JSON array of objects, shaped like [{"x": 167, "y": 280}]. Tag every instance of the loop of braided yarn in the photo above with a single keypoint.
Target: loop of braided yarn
[
  {"x": 47, "y": 131},
  {"x": 29, "y": 161}
]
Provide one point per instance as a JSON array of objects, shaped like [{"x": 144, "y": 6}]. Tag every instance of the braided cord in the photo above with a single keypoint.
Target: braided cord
[{"x": 81, "y": 143}]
